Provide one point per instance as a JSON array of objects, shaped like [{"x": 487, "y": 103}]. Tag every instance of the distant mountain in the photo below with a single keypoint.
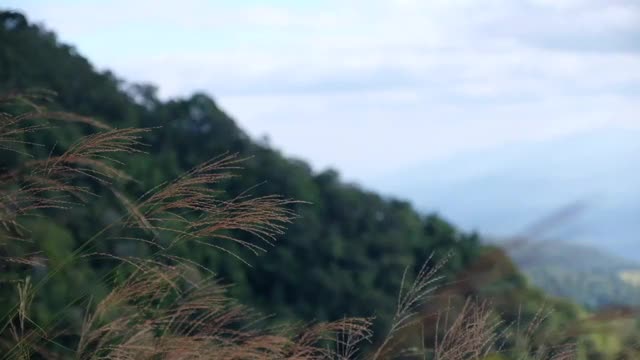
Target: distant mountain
[
  {"x": 501, "y": 191},
  {"x": 582, "y": 273}
]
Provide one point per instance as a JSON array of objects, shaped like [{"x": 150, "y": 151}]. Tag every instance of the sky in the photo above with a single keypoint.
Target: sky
[{"x": 381, "y": 88}]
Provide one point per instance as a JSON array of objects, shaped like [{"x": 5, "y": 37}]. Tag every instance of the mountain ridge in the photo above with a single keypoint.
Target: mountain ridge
[
  {"x": 583, "y": 273},
  {"x": 527, "y": 182}
]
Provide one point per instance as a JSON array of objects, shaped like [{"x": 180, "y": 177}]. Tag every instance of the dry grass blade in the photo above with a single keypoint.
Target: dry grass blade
[
  {"x": 542, "y": 351},
  {"x": 30, "y": 97},
  {"x": 92, "y": 155},
  {"x": 162, "y": 312},
  {"x": 21, "y": 327},
  {"x": 471, "y": 335},
  {"x": 263, "y": 217},
  {"x": 66, "y": 117},
  {"x": 190, "y": 208},
  {"x": 192, "y": 192},
  {"x": 14, "y": 126},
  {"x": 50, "y": 183},
  {"x": 350, "y": 335},
  {"x": 346, "y": 334},
  {"x": 410, "y": 300},
  {"x": 23, "y": 195}
]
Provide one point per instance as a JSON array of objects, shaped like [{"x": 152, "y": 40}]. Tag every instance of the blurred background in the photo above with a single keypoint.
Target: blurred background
[{"x": 412, "y": 127}]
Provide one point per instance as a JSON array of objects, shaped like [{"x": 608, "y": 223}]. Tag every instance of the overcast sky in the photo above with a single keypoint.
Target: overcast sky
[{"x": 374, "y": 86}]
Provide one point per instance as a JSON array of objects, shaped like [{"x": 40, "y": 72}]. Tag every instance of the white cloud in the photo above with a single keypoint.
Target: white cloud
[
  {"x": 378, "y": 133},
  {"x": 386, "y": 84}
]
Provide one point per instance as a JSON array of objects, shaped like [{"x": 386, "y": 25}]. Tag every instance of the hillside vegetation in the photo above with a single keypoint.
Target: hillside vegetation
[{"x": 582, "y": 273}]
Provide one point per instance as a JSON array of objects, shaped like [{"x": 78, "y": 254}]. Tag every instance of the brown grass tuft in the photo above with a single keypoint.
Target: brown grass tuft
[{"x": 192, "y": 210}]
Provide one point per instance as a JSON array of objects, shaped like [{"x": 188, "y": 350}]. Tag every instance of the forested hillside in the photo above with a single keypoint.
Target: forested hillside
[{"x": 344, "y": 255}]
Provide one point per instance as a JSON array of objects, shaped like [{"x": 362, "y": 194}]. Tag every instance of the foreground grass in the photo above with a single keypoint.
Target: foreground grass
[{"x": 162, "y": 306}]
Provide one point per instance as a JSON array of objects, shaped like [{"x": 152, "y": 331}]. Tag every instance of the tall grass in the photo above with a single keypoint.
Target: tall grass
[{"x": 168, "y": 307}]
